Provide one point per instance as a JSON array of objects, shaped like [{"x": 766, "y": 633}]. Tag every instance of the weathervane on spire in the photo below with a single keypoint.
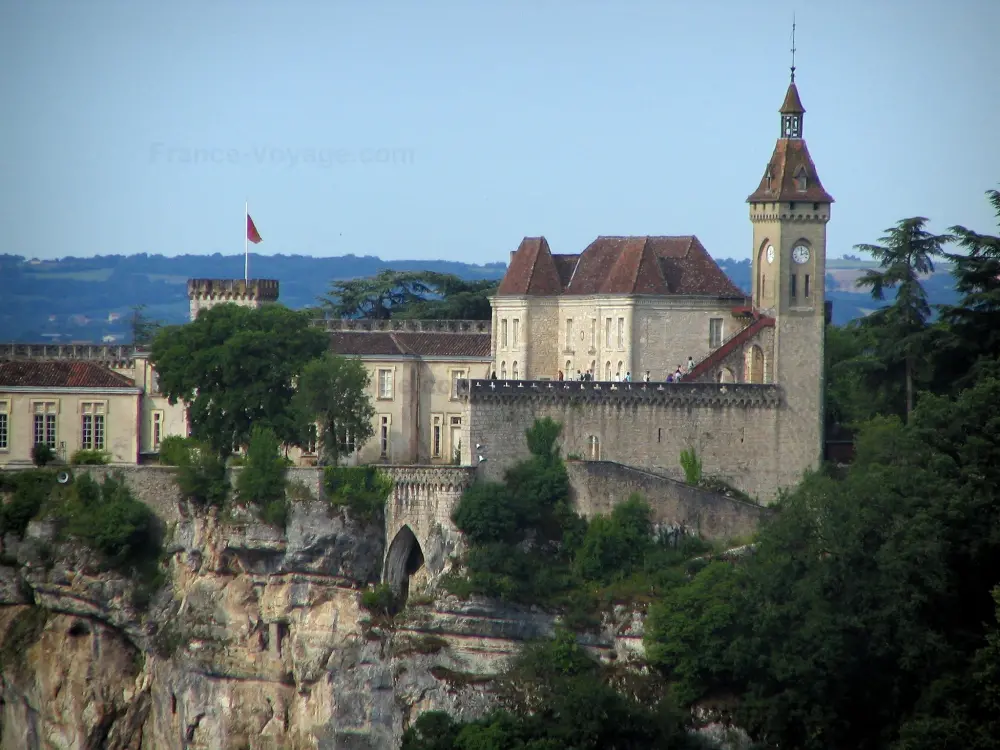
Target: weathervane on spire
[{"x": 793, "y": 48}]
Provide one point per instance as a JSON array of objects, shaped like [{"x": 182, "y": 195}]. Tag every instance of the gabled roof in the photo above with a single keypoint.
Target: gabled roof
[
  {"x": 396, "y": 344},
  {"x": 64, "y": 374},
  {"x": 790, "y": 159},
  {"x": 532, "y": 270},
  {"x": 618, "y": 265}
]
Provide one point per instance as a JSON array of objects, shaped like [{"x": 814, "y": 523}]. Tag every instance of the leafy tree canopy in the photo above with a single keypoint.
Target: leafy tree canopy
[
  {"x": 333, "y": 392},
  {"x": 410, "y": 294},
  {"x": 236, "y": 367}
]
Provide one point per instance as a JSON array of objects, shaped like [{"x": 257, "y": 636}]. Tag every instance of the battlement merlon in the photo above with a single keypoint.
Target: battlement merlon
[
  {"x": 261, "y": 290},
  {"x": 405, "y": 326},
  {"x": 745, "y": 395}
]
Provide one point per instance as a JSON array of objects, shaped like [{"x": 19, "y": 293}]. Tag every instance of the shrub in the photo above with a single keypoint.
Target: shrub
[
  {"x": 174, "y": 450},
  {"x": 30, "y": 491},
  {"x": 361, "y": 489},
  {"x": 380, "y": 600},
  {"x": 262, "y": 479},
  {"x": 42, "y": 455},
  {"x": 201, "y": 475},
  {"x": 691, "y": 464},
  {"x": 90, "y": 458},
  {"x": 108, "y": 519}
]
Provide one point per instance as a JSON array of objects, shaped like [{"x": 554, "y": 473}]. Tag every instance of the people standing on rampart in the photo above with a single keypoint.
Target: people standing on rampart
[
  {"x": 690, "y": 364},
  {"x": 645, "y": 378}
]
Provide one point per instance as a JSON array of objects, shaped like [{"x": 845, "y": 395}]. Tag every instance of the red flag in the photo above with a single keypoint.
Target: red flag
[{"x": 252, "y": 234}]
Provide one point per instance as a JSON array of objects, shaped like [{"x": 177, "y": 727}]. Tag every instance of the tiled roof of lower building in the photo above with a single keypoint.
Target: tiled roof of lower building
[
  {"x": 61, "y": 374},
  {"x": 373, "y": 344}
]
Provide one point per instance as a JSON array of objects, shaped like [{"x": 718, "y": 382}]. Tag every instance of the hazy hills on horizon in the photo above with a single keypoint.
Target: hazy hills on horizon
[{"x": 90, "y": 299}]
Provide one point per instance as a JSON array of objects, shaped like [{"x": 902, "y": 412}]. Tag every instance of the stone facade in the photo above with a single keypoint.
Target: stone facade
[
  {"x": 737, "y": 429},
  {"x": 598, "y": 486},
  {"x": 206, "y": 293}
]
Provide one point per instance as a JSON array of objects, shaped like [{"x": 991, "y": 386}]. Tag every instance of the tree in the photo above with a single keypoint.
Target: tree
[
  {"x": 142, "y": 327},
  {"x": 235, "y": 367},
  {"x": 376, "y": 297},
  {"x": 907, "y": 253},
  {"x": 975, "y": 321},
  {"x": 333, "y": 392},
  {"x": 421, "y": 295}
]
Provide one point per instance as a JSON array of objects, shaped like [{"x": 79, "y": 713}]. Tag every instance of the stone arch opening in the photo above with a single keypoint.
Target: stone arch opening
[
  {"x": 404, "y": 559},
  {"x": 726, "y": 376}
]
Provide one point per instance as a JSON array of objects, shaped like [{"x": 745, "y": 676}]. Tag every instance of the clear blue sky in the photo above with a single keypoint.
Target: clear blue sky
[{"x": 565, "y": 118}]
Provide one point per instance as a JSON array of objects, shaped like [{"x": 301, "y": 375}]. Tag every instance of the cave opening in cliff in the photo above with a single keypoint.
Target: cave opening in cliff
[{"x": 404, "y": 559}]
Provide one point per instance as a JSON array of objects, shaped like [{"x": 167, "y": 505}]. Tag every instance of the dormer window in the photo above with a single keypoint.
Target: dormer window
[
  {"x": 801, "y": 181},
  {"x": 767, "y": 177}
]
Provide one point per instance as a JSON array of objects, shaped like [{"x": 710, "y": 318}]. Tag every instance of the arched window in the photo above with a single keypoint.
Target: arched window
[
  {"x": 726, "y": 375},
  {"x": 801, "y": 181},
  {"x": 503, "y": 370},
  {"x": 569, "y": 369},
  {"x": 594, "y": 448},
  {"x": 513, "y": 374},
  {"x": 607, "y": 371},
  {"x": 618, "y": 374}
]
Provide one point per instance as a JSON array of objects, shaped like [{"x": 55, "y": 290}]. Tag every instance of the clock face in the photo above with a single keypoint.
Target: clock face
[
  {"x": 770, "y": 253},
  {"x": 800, "y": 254}
]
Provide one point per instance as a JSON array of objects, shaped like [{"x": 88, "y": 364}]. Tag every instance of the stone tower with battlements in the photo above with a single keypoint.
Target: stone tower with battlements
[
  {"x": 789, "y": 212},
  {"x": 206, "y": 293}
]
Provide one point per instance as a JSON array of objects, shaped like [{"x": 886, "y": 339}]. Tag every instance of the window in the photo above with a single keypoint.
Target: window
[
  {"x": 385, "y": 384},
  {"x": 503, "y": 333},
  {"x": 791, "y": 285},
  {"x": 569, "y": 333},
  {"x": 621, "y": 333},
  {"x": 514, "y": 373},
  {"x": 436, "y": 426},
  {"x": 593, "y": 332},
  {"x": 805, "y": 285},
  {"x": 503, "y": 370},
  {"x": 45, "y": 423},
  {"x": 455, "y": 425},
  {"x": 311, "y": 440},
  {"x": 659, "y": 434},
  {"x": 517, "y": 331},
  {"x": 346, "y": 442},
  {"x": 594, "y": 448},
  {"x": 607, "y": 333},
  {"x": 801, "y": 181},
  {"x": 569, "y": 370},
  {"x": 457, "y": 376},
  {"x": 92, "y": 432},
  {"x": 618, "y": 373},
  {"x": 383, "y": 435},
  {"x": 157, "y": 429},
  {"x": 4, "y": 425},
  {"x": 607, "y": 371},
  {"x": 715, "y": 333}
]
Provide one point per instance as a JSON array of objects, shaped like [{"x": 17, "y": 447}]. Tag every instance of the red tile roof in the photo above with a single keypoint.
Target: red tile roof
[
  {"x": 65, "y": 374},
  {"x": 727, "y": 348},
  {"x": 789, "y": 160},
  {"x": 532, "y": 270},
  {"x": 374, "y": 344},
  {"x": 618, "y": 265}
]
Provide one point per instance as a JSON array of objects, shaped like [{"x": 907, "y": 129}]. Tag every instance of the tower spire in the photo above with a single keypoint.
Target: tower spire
[{"x": 793, "y": 47}]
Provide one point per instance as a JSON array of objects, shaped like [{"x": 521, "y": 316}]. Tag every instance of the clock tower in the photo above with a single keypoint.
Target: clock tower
[{"x": 789, "y": 212}]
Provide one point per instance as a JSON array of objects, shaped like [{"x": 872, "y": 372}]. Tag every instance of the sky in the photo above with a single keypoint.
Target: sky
[{"x": 450, "y": 130}]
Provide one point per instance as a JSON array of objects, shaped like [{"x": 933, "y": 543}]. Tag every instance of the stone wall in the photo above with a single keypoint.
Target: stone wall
[
  {"x": 597, "y": 486},
  {"x": 736, "y": 428}
]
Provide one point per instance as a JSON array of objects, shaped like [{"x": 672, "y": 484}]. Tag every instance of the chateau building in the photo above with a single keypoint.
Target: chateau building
[{"x": 750, "y": 403}]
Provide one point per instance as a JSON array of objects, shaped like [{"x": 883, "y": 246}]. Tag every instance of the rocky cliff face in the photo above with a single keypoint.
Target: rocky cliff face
[{"x": 256, "y": 639}]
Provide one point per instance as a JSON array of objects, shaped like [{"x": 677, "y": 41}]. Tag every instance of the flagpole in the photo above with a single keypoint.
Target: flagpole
[{"x": 246, "y": 243}]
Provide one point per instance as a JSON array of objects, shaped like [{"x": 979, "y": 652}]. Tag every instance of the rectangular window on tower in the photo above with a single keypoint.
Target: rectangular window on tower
[
  {"x": 503, "y": 333},
  {"x": 791, "y": 285},
  {"x": 715, "y": 333},
  {"x": 569, "y": 334},
  {"x": 593, "y": 333},
  {"x": 621, "y": 334},
  {"x": 517, "y": 331},
  {"x": 805, "y": 285},
  {"x": 607, "y": 333}
]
